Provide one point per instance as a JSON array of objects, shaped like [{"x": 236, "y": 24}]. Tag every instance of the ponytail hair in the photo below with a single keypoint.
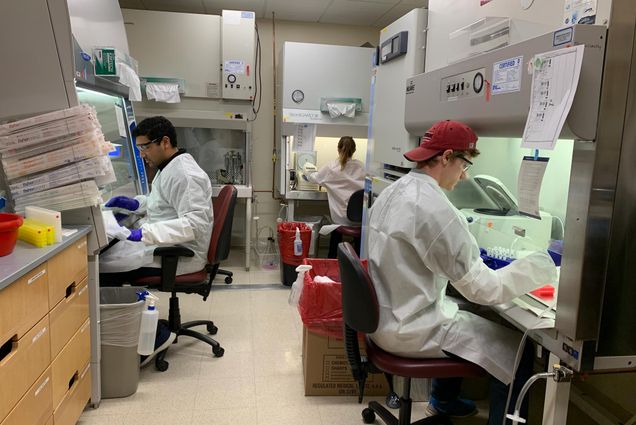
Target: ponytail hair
[{"x": 346, "y": 149}]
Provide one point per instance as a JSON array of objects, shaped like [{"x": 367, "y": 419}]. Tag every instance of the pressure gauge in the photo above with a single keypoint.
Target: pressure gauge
[
  {"x": 478, "y": 82},
  {"x": 298, "y": 96}
]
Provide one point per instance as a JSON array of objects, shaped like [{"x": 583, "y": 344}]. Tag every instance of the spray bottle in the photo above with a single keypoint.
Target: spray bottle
[
  {"x": 149, "y": 320},
  {"x": 298, "y": 244},
  {"x": 297, "y": 286}
]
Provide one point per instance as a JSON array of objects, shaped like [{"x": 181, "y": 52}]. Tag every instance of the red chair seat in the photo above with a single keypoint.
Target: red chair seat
[
  {"x": 352, "y": 231},
  {"x": 196, "y": 277},
  {"x": 421, "y": 368}
]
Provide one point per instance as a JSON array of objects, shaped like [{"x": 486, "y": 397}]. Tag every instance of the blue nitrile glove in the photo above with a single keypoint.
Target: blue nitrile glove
[
  {"x": 120, "y": 216},
  {"x": 123, "y": 202},
  {"x": 135, "y": 235}
]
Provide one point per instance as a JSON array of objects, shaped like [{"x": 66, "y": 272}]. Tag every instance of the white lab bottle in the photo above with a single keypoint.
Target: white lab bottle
[
  {"x": 148, "y": 331},
  {"x": 298, "y": 244}
]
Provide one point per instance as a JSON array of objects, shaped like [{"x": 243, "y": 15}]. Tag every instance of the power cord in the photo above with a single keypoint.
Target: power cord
[
  {"x": 258, "y": 89},
  {"x": 518, "y": 360}
]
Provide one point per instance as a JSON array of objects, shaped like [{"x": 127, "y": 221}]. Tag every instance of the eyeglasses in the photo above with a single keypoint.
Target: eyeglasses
[
  {"x": 145, "y": 146},
  {"x": 467, "y": 165}
]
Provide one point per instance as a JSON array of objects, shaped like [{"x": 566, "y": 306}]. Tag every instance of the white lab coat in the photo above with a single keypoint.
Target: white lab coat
[
  {"x": 418, "y": 242},
  {"x": 340, "y": 185},
  {"x": 179, "y": 211}
]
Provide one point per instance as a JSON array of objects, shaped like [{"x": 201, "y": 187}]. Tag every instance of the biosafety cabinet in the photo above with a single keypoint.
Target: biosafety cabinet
[
  {"x": 587, "y": 190},
  {"x": 213, "y": 59},
  {"x": 323, "y": 93}
]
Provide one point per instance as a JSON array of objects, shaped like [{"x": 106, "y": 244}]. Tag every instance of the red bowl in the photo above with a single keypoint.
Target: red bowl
[{"x": 9, "y": 224}]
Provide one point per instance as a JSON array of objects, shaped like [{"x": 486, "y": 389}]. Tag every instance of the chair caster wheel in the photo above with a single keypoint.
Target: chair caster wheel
[
  {"x": 161, "y": 365},
  {"x": 218, "y": 351},
  {"x": 228, "y": 280},
  {"x": 212, "y": 330},
  {"x": 393, "y": 400},
  {"x": 368, "y": 416}
]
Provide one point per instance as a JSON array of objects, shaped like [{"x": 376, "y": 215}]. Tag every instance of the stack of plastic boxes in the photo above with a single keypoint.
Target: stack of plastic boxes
[{"x": 56, "y": 160}]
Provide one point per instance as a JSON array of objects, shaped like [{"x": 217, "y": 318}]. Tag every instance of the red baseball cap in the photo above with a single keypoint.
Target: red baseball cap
[{"x": 441, "y": 136}]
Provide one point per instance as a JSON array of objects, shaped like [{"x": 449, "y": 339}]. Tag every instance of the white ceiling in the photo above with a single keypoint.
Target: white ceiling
[{"x": 377, "y": 13}]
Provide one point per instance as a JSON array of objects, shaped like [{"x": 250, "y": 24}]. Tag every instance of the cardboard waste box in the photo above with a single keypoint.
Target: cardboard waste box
[{"x": 325, "y": 367}]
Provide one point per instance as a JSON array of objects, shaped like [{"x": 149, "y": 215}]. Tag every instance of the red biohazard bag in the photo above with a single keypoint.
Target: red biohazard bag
[
  {"x": 286, "y": 236},
  {"x": 320, "y": 304}
]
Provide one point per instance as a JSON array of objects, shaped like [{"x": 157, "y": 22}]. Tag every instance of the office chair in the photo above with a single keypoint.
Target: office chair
[
  {"x": 194, "y": 283},
  {"x": 223, "y": 250},
  {"x": 354, "y": 214},
  {"x": 361, "y": 313}
]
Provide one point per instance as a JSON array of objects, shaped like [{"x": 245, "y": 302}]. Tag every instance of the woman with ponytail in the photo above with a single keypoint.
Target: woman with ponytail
[{"x": 341, "y": 178}]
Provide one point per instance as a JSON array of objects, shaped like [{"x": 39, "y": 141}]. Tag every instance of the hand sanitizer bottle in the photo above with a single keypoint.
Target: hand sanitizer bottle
[
  {"x": 148, "y": 331},
  {"x": 298, "y": 244}
]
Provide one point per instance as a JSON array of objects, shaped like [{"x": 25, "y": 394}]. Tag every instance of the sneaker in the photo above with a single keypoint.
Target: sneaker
[
  {"x": 162, "y": 341},
  {"x": 459, "y": 408}
]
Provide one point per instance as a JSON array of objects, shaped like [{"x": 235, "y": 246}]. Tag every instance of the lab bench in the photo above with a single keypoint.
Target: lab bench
[{"x": 45, "y": 344}]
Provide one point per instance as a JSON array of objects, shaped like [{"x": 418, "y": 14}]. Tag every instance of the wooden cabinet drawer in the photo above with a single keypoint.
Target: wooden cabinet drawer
[
  {"x": 36, "y": 407},
  {"x": 65, "y": 269},
  {"x": 68, "y": 315},
  {"x": 20, "y": 367},
  {"x": 71, "y": 407},
  {"x": 69, "y": 364},
  {"x": 24, "y": 303}
]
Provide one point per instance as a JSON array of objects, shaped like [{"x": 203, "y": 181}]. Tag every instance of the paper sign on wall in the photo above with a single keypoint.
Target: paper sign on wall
[
  {"x": 234, "y": 67},
  {"x": 529, "y": 182},
  {"x": 304, "y": 137},
  {"x": 506, "y": 75},
  {"x": 554, "y": 80}
]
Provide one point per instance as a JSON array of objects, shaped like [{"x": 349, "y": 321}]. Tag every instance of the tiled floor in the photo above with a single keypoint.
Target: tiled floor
[{"x": 258, "y": 381}]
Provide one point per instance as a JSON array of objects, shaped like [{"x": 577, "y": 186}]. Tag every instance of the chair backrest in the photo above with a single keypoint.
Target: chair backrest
[
  {"x": 360, "y": 309},
  {"x": 223, "y": 207},
  {"x": 354, "y": 206}
]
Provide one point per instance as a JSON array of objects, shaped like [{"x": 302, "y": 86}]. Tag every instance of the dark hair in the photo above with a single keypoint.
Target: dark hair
[
  {"x": 346, "y": 149},
  {"x": 156, "y": 127},
  {"x": 432, "y": 160}
]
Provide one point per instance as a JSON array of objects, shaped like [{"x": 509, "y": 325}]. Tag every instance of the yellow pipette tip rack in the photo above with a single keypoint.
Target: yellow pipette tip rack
[{"x": 36, "y": 233}]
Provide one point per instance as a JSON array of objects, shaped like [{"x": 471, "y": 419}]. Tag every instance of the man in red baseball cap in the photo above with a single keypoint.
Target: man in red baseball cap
[
  {"x": 445, "y": 152},
  {"x": 418, "y": 243}
]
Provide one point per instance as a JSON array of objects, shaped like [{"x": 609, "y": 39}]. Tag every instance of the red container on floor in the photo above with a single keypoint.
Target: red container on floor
[
  {"x": 320, "y": 304},
  {"x": 9, "y": 224}
]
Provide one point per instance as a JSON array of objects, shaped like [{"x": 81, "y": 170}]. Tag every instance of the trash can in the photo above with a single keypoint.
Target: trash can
[
  {"x": 320, "y": 302},
  {"x": 315, "y": 223},
  {"x": 120, "y": 320},
  {"x": 288, "y": 261}
]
